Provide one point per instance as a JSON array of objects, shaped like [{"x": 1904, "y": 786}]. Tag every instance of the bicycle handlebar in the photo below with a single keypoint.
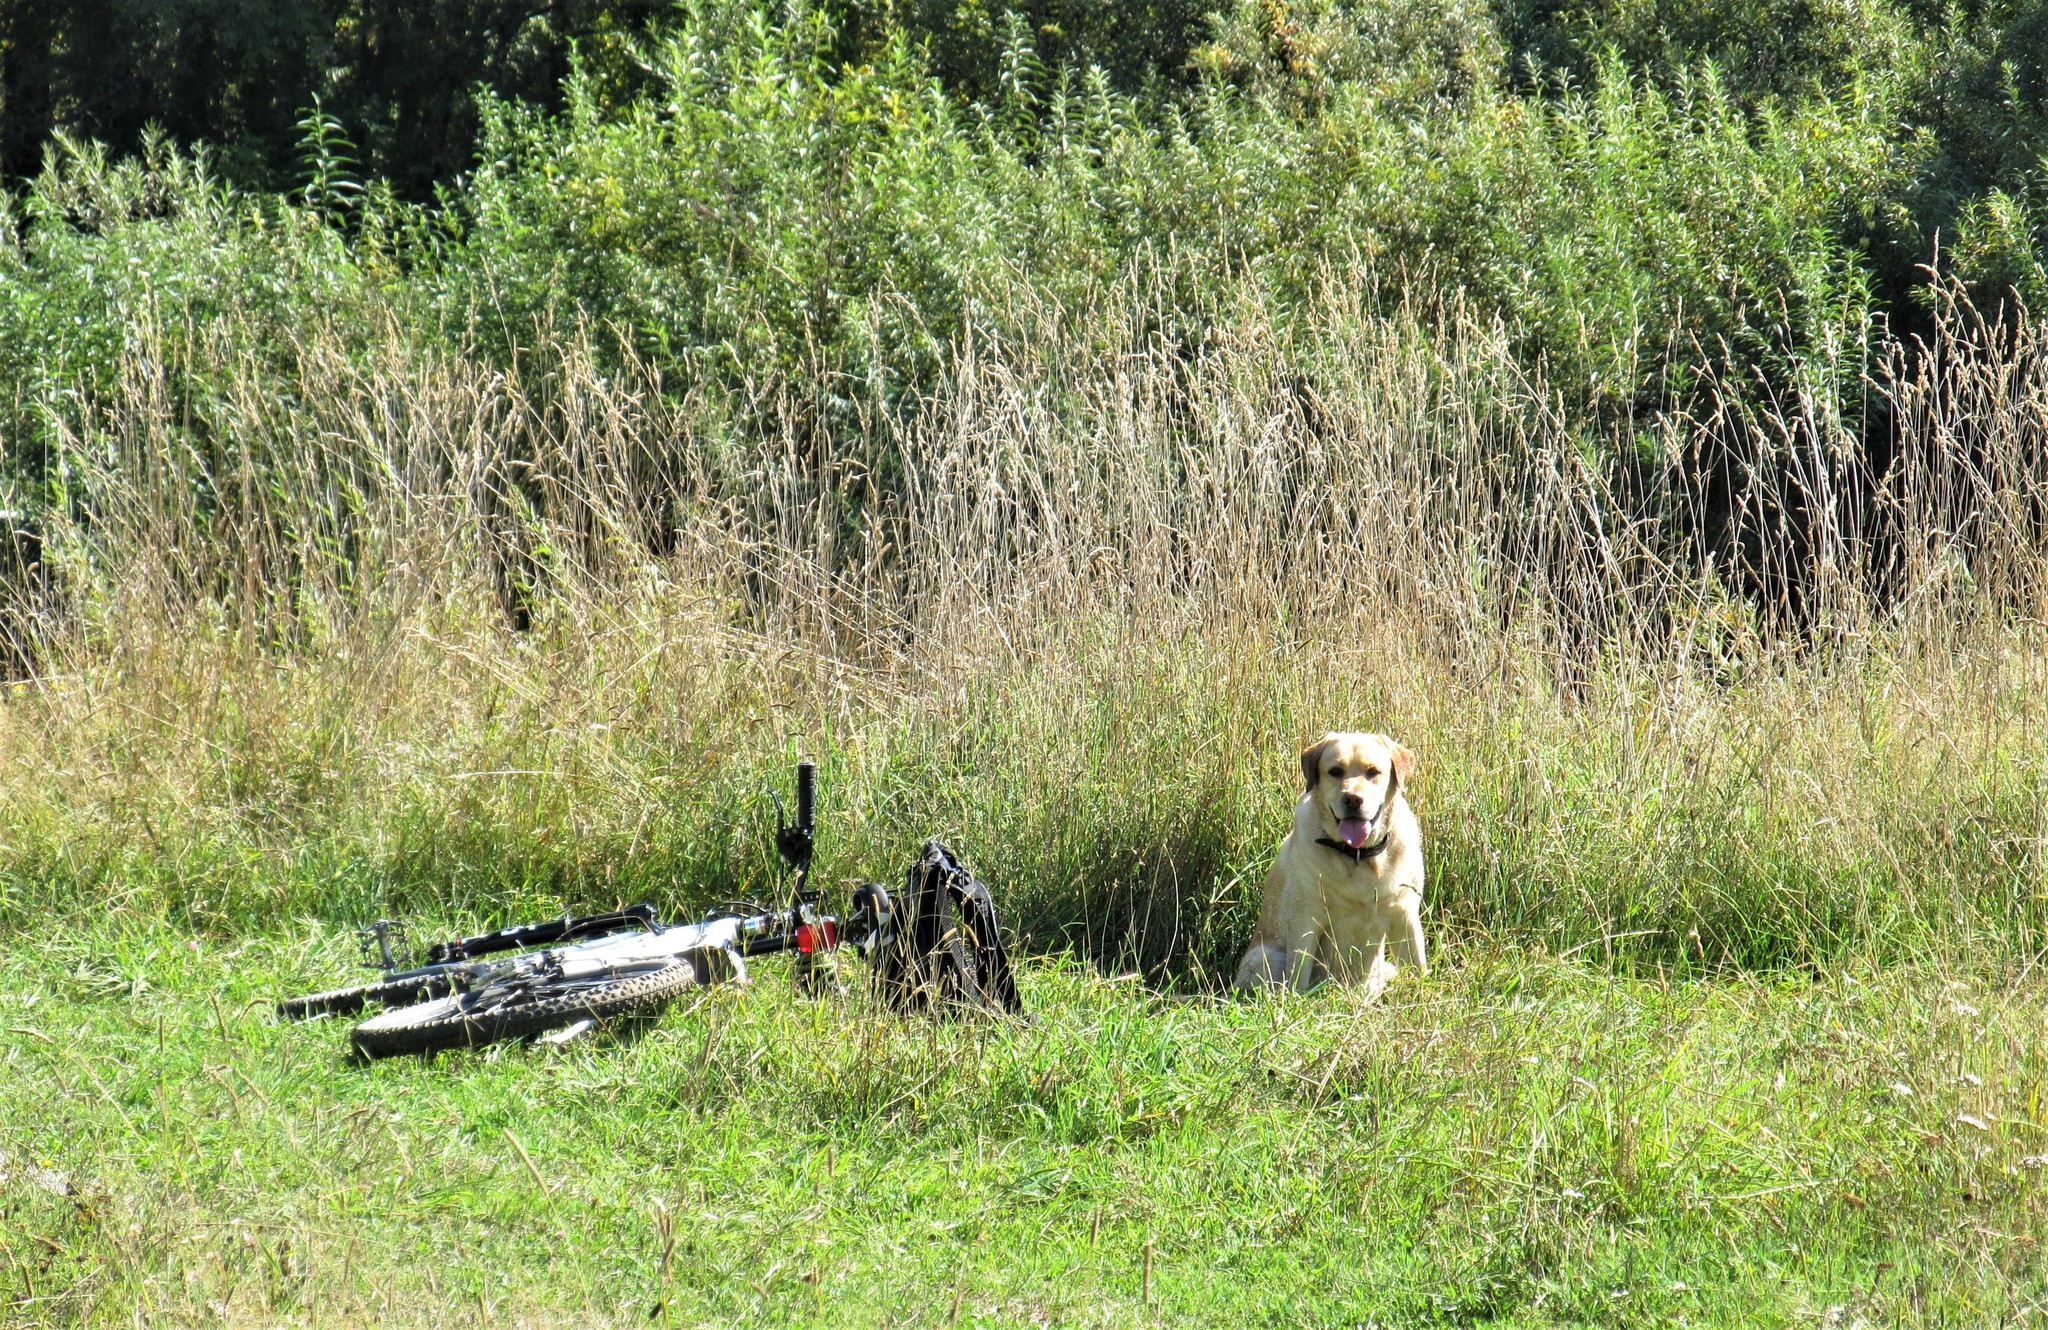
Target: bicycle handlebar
[{"x": 796, "y": 842}]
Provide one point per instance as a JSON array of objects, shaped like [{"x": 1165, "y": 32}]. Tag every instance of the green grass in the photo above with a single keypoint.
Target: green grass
[
  {"x": 1124, "y": 799},
  {"x": 1516, "y": 1140}
]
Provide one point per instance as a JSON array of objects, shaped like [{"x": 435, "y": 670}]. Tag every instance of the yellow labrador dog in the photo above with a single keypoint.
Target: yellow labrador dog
[{"x": 1349, "y": 875}]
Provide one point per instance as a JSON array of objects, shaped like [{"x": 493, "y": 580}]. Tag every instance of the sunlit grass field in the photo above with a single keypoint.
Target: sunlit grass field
[
  {"x": 1517, "y": 1139},
  {"x": 1735, "y": 1018}
]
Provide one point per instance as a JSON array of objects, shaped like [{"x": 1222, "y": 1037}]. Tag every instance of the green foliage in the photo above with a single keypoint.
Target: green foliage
[
  {"x": 2001, "y": 242},
  {"x": 327, "y": 158},
  {"x": 833, "y": 187},
  {"x": 1978, "y": 189},
  {"x": 1142, "y": 46},
  {"x": 1629, "y": 228},
  {"x": 761, "y": 208},
  {"x": 151, "y": 261},
  {"x": 812, "y": 203},
  {"x": 1763, "y": 50},
  {"x": 745, "y": 215}
]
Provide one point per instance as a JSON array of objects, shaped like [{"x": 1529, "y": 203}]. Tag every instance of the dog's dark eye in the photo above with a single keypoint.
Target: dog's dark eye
[
  {"x": 1372, "y": 773},
  {"x": 1336, "y": 773}
]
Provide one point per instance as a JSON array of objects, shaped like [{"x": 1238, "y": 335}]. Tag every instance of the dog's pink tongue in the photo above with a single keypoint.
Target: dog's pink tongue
[{"x": 1352, "y": 829}]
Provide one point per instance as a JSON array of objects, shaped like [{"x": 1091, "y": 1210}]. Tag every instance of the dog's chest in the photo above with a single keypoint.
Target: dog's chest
[{"x": 1360, "y": 886}]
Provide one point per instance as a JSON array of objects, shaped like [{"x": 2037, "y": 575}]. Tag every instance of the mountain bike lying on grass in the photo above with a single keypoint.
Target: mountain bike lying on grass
[{"x": 937, "y": 948}]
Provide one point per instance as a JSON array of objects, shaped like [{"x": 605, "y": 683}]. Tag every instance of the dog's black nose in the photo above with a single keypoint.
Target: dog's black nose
[{"x": 1352, "y": 802}]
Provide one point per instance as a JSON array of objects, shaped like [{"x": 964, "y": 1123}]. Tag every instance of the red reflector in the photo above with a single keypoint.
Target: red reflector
[{"x": 810, "y": 937}]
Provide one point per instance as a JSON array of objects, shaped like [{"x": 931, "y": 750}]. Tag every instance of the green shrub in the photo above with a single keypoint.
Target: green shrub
[{"x": 762, "y": 208}]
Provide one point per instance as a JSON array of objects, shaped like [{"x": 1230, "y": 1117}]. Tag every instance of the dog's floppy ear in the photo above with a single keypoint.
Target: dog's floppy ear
[
  {"x": 1404, "y": 760},
  {"x": 1312, "y": 761}
]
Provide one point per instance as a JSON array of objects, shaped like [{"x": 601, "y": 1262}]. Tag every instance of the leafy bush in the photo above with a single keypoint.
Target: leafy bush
[
  {"x": 401, "y": 73},
  {"x": 1762, "y": 50},
  {"x": 761, "y": 207},
  {"x": 1978, "y": 187},
  {"x": 146, "y": 284}
]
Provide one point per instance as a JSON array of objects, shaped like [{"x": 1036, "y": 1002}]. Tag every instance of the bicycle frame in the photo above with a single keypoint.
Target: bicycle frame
[
  {"x": 626, "y": 940},
  {"x": 532, "y": 967},
  {"x": 610, "y": 946}
]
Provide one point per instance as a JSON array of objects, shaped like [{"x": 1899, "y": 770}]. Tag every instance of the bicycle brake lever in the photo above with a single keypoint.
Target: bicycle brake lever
[{"x": 793, "y": 843}]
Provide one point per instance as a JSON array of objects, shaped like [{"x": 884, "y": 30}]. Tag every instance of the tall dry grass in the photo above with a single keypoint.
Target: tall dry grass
[{"x": 399, "y": 629}]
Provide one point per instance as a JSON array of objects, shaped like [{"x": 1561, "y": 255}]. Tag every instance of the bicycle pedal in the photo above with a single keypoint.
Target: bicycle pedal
[
  {"x": 557, "y": 1038},
  {"x": 384, "y": 944}
]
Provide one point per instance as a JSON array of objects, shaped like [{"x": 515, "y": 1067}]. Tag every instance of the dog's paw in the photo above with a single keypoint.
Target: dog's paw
[{"x": 1382, "y": 973}]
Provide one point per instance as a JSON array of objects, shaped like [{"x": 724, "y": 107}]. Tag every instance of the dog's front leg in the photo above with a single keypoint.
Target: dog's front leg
[
  {"x": 1303, "y": 966},
  {"x": 1379, "y": 971},
  {"x": 1408, "y": 945}
]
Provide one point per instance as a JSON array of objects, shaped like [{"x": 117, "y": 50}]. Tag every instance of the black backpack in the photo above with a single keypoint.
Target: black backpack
[{"x": 941, "y": 951}]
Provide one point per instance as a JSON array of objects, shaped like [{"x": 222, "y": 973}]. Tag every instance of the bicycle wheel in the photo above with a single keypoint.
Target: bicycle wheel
[
  {"x": 348, "y": 1001},
  {"x": 494, "y": 1012}
]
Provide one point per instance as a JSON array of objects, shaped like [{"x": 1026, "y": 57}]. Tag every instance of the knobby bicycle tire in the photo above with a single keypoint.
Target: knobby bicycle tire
[
  {"x": 349, "y": 1001},
  {"x": 454, "y": 1022}
]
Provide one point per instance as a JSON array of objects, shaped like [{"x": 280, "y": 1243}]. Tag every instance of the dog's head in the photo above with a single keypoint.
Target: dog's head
[{"x": 1349, "y": 778}]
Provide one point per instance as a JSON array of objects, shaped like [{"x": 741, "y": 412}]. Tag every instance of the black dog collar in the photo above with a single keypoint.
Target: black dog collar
[{"x": 1362, "y": 853}]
